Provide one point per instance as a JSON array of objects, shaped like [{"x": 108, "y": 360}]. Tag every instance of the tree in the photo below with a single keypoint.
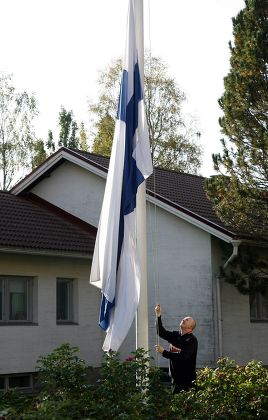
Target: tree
[
  {"x": 50, "y": 142},
  {"x": 17, "y": 140},
  {"x": 39, "y": 153},
  {"x": 68, "y": 132},
  {"x": 68, "y": 128},
  {"x": 248, "y": 272},
  {"x": 173, "y": 144},
  {"x": 240, "y": 191},
  {"x": 83, "y": 137},
  {"x": 104, "y": 137}
]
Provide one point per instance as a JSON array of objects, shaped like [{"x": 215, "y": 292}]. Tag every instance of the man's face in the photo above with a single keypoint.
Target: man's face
[{"x": 186, "y": 324}]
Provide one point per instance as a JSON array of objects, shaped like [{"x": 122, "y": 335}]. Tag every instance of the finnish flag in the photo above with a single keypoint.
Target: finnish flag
[{"x": 115, "y": 265}]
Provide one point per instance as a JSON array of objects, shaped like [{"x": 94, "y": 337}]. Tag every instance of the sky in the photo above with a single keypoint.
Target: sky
[{"x": 57, "y": 48}]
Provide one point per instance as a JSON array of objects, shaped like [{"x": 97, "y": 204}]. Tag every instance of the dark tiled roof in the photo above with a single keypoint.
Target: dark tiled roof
[
  {"x": 180, "y": 190},
  {"x": 30, "y": 225},
  {"x": 101, "y": 161}
]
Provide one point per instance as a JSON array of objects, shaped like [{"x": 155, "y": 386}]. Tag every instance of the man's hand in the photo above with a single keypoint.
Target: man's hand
[
  {"x": 174, "y": 349},
  {"x": 158, "y": 310},
  {"x": 159, "y": 349}
]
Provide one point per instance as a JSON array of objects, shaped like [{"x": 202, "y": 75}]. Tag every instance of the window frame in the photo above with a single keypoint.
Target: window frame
[
  {"x": 8, "y": 378},
  {"x": 5, "y": 281},
  {"x": 70, "y": 303},
  {"x": 256, "y": 302}
]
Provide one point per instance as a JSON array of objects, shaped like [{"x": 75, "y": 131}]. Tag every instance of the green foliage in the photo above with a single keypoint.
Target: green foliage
[
  {"x": 242, "y": 200},
  {"x": 13, "y": 403},
  {"x": 17, "y": 139},
  {"x": 62, "y": 371},
  {"x": 69, "y": 128},
  {"x": 50, "y": 142},
  {"x": 83, "y": 138},
  {"x": 228, "y": 392},
  {"x": 39, "y": 153},
  {"x": 132, "y": 389},
  {"x": 174, "y": 144},
  {"x": 103, "y": 140},
  {"x": 64, "y": 386},
  {"x": 248, "y": 272}
]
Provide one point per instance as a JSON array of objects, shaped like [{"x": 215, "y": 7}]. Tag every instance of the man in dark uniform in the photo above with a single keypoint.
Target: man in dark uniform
[{"x": 182, "y": 352}]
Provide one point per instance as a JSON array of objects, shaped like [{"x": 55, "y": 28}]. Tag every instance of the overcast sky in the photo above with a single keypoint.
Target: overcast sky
[{"x": 56, "y": 48}]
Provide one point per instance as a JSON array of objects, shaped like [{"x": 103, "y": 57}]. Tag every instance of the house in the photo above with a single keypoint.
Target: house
[{"x": 48, "y": 225}]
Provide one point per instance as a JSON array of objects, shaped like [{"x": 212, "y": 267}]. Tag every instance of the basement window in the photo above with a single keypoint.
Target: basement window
[{"x": 20, "y": 381}]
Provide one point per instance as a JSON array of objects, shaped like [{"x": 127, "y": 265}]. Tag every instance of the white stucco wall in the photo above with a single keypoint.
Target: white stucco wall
[
  {"x": 74, "y": 190},
  {"x": 182, "y": 254},
  {"x": 243, "y": 340},
  {"x": 21, "y": 345},
  {"x": 179, "y": 262}
]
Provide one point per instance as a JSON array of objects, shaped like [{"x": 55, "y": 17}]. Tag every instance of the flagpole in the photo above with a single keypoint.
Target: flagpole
[{"x": 142, "y": 312}]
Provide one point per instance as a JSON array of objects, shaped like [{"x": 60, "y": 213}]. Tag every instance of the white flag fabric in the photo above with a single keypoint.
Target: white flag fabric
[{"x": 115, "y": 265}]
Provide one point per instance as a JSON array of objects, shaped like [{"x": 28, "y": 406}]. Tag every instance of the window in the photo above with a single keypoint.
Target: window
[
  {"x": 259, "y": 303},
  {"x": 64, "y": 300},
  {"x": 1, "y": 300},
  {"x": 21, "y": 381},
  {"x": 15, "y": 299}
]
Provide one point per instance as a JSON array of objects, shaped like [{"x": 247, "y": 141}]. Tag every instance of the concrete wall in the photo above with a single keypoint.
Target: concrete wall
[
  {"x": 21, "y": 345},
  {"x": 179, "y": 263},
  {"x": 243, "y": 340},
  {"x": 74, "y": 190},
  {"x": 179, "y": 255},
  {"x": 183, "y": 263}
]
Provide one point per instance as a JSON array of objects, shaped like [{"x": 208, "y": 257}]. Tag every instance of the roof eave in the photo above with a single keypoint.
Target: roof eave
[
  {"x": 46, "y": 252},
  {"x": 193, "y": 218}
]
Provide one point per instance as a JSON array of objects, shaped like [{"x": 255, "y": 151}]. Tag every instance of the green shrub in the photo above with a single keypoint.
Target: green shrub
[
  {"x": 12, "y": 403},
  {"x": 64, "y": 386},
  {"x": 228, "y": 392},
  {"x": 62, "y": 371},
  {"x": 132, "y": 389}
]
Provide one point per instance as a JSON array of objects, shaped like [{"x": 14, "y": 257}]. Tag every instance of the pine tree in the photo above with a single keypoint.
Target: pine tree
[{"x": 240, "y": 193}]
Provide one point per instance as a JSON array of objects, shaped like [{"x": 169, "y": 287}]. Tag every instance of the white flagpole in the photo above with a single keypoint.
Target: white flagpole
[{"x": 142, "y": 312}]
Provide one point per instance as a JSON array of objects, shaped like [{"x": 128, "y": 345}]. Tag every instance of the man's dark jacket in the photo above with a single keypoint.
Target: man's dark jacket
[{"x": 182, "y": 364}]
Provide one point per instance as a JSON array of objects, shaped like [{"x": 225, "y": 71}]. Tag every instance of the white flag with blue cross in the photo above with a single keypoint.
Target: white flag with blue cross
[{"x": 115, "y": 266}]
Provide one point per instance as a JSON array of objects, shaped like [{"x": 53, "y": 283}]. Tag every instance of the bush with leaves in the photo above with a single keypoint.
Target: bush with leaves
[
  {"x": 127, "y": 389},
  {"x": 13, "y": 403},
  {"x": 132, "y": 389},
  {"x": 227, "y": 392},
  {"x": 65, "y": 392}
]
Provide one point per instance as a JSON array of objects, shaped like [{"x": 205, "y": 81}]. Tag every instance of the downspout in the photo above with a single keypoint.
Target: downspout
[{"x": 234, "y": 254}]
